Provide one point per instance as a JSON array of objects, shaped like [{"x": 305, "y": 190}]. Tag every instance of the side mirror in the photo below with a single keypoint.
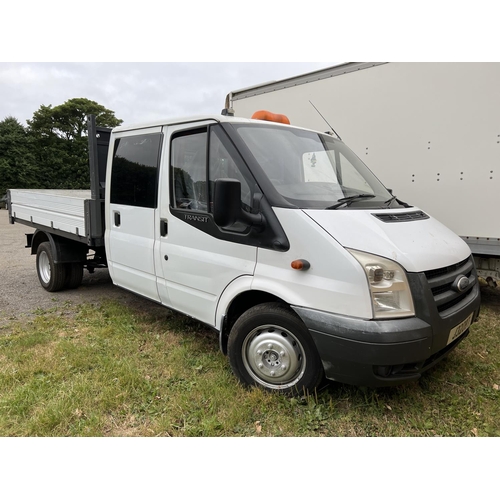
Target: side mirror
[
  {"x": 227, "y": 201},
  {"x": 227, "y": 205}
]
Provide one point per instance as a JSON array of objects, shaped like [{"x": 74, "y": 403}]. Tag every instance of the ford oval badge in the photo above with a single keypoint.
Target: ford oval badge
[{"x": 461, "y": 283}]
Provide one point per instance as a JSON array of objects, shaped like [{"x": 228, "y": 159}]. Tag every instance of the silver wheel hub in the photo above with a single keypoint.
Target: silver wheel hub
[
  {"x": 44, "y": 267},
  {"x": 274, "y": 357}
]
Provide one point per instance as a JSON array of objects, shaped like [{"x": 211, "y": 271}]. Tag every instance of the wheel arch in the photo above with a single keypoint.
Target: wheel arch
[
  {"x": 40, "y": 237},
  {"x": 241, "y": 303},
  {"x": 63, "y": 250}
]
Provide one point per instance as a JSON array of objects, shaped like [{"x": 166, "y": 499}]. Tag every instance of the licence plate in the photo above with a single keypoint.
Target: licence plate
[{"x": 459, "y": 329}]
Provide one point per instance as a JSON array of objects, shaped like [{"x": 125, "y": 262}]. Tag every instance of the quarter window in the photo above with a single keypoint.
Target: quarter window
[{"x": 189, "y": 165}]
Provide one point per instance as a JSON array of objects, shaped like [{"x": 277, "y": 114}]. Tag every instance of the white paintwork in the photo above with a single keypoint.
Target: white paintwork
[
  {"x": 335, "y": 282},
  {"x": 200, "y": 267},
  {"x": 60, "y": 209},
  {"x": 130, "y": 249},
  {"x": 412, "y": 124},
  {"x": 418, "y": 245}
]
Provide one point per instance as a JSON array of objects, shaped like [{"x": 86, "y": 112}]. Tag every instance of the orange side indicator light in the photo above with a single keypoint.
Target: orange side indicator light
[
  {"x": 300, "y": 265},
  {"x": 270, "y": 117}
]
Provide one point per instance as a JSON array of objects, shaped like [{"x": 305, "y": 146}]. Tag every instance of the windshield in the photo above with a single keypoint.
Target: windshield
[{"x": 312, "y": 170}]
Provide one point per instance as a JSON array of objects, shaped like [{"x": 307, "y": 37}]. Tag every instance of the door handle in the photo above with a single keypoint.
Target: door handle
[
  {"x": 117, "y": 219},
  {"x": 163, "y": 227}
]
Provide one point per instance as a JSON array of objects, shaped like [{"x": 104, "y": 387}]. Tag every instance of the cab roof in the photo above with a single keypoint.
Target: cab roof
[
  {"x": 200, "y": 118},
  {"x": 178, "y": 121}
]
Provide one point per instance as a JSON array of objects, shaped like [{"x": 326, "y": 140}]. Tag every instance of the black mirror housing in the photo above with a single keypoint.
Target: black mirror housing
[
  {"x": 227, "y": 201},
  {"x": 227, "y": 205}
]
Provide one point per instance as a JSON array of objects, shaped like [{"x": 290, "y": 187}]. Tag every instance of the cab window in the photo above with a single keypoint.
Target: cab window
[{"x": 198, "y": 158}]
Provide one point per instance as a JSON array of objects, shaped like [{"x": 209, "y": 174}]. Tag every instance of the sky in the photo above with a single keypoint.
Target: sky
[{"x": 137, "y": 92}]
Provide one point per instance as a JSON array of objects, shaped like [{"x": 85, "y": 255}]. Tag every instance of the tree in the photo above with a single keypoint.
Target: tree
[
  {"x": 60, "y": 142},
  {"x": 17, "y": 163},
  {"x": 69, "y": 120}
]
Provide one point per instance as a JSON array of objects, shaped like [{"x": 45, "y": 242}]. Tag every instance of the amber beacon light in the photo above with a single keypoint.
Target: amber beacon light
[{"x": 270, "y": 117}]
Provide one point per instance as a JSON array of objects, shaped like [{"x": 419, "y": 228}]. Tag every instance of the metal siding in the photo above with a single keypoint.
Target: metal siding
[{"x": 56, "y": 209}]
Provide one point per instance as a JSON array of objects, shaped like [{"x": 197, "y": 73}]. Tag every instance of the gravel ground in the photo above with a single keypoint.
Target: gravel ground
[{"x": 21, "y": 293}]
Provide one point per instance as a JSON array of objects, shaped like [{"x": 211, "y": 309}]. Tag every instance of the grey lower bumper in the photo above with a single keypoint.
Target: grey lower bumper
[{"x": 385, "y": 352}]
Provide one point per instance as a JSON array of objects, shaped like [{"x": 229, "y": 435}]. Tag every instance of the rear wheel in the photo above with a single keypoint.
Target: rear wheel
[
  {"x": 52, "y": 276},
  {"x": 74, "y": 275},
  {"x": 270, "y": 346}
]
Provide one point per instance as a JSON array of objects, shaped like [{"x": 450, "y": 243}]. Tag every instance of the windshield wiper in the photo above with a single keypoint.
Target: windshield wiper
[
  {"x": 348, "y": 200},
  {"x": 391, "y": 199}
]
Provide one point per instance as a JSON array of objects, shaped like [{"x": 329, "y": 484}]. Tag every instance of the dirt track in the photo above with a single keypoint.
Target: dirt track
[{"x": 21, "y": 293}]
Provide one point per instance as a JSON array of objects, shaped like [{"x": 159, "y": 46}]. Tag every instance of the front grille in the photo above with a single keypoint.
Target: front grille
[
  {"x": 449, "y": 304},
  {"x": 441, "y": 284},
  {"x": 402, "y": 217},
  {"x": 445, "y": 270}
]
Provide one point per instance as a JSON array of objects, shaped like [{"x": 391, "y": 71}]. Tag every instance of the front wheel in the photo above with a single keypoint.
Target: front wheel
[{"x": 269, "y": 346}]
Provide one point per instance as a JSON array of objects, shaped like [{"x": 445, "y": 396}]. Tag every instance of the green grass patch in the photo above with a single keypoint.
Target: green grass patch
[{"x": 110, "y": 370}]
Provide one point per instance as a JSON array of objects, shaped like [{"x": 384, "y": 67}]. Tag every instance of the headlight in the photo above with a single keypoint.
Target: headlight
[{"x": 391, "y": 295}]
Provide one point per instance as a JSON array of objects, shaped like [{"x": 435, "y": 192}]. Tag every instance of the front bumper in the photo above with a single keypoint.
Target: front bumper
[{"x": 388, "y": 352}]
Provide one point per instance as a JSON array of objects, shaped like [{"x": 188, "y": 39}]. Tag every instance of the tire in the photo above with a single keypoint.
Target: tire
[
  {"x": 270, "y": 347},
  {"x": 74, "y": 275},
  {"x": 52, "y": 276}
]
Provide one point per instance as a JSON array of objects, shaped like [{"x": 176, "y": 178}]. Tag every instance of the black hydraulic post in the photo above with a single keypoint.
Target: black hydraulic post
[{"x": 98, "y": 138}]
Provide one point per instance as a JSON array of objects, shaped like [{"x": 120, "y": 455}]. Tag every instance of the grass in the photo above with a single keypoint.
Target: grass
[{"x": 109, "y": 370}]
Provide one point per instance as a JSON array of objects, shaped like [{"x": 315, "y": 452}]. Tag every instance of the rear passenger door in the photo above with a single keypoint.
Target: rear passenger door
[{"x": 131, "y": 213}]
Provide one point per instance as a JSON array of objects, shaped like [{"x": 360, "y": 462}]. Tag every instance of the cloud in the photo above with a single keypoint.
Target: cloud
[{"x": 136, "y": 92}]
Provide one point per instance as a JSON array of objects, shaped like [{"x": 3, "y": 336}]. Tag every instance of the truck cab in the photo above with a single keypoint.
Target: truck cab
[{"x": 283, "y": 241}]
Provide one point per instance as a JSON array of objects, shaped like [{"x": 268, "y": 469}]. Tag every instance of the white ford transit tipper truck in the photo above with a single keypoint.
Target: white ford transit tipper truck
[{"x": 278, "y": 237}]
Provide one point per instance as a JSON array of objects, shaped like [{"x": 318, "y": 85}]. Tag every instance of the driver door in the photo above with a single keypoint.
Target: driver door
[{"x": 198, "y": 259}]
